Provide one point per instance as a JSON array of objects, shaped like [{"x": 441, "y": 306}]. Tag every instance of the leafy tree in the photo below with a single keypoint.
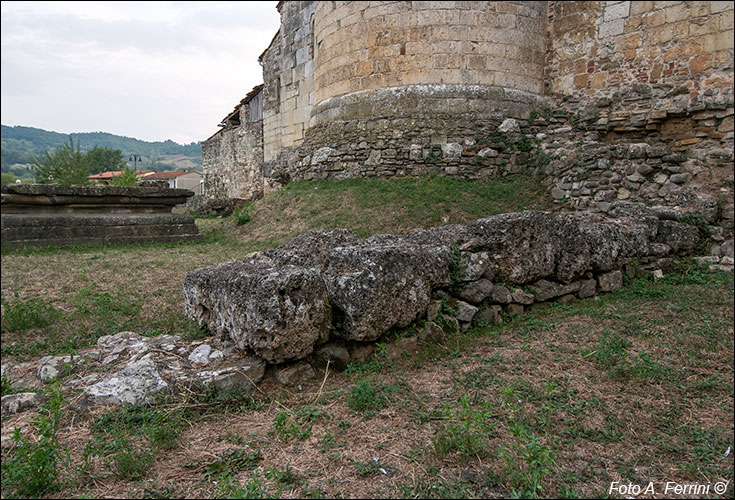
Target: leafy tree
[
  {"x": 126, "y": 179},
  {"x": 103, "y": 159},
  {"x": 63, "y": 165},
  {"x": 8, "y": 178}
]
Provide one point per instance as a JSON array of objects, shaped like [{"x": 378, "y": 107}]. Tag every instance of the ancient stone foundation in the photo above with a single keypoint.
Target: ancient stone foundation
[
  {"x": 62, "y": 216},
  {"x": 327, "y": 294}
]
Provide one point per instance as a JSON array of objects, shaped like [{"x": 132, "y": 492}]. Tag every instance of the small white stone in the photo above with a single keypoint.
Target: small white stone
[{"x": 200, "y": 355}]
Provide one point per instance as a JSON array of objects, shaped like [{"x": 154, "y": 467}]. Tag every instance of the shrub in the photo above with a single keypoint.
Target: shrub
[{"x": 241, "y": 215}]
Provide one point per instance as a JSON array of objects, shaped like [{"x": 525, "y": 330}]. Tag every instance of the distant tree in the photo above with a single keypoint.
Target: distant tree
[
  {"x": 104, "y": 159},
  {"x": 126, "y": 179},
  {"x": 63, "y": 165},
  {"x": 8, "y": 178}
]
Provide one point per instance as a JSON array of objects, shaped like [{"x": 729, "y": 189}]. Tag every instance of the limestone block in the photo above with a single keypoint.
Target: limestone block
[
  {"x": 290, "y": 315},
  {"x": 381, "y": 286}
]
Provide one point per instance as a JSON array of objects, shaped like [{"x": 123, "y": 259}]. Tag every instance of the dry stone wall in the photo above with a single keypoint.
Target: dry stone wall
[
  {"x": 301, "y": 302},
  {"x": 640, "y": 103}
]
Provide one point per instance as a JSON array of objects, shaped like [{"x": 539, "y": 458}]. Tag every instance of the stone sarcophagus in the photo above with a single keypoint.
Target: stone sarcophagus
[{"x": 39, "y": 215}]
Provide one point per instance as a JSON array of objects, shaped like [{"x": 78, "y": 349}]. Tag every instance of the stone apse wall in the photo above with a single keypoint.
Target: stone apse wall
[{"x": 607, "y": 100}]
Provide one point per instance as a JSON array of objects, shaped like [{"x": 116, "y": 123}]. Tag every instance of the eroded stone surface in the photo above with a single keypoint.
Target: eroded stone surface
[
  {"x": 279, "y": 313},
  {"x": 379, "y": 287}
]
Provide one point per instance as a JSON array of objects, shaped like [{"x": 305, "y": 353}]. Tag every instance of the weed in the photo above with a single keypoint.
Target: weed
[
  {"x": 233, "y": 461},
  {"x": 329, "y": 442},
  {"x": 32, "y": 469},
  {"x": 465, "y": 432},
  {"x": 241, "y": 215},
  {"x": 229, "y": 487},
  {"x": 376, "y": 364},
  {"x": 26, "y": 313},
  {"x": 369, "y": 396},
  {"x": 455, "y": 268},
  {"x": 438, "y": 488},
  {"x": 447, "y": 311},
  {"x": 286, "y": 426},
  {"x": 132, "y": 464},
  {"x": 527, "y": 462},
  {"x": 371, "y": 468},
  {"x": 611, "y": 351},
  {"x": 7, "y": 387},
  {"x": 286, "y": 477},
  {"x": 432, "y": 157}
]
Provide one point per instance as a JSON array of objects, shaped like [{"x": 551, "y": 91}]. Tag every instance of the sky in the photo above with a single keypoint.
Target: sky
[{"x": 149, "y": 70}]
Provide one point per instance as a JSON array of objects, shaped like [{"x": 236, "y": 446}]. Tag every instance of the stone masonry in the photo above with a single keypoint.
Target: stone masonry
[{"x": 606, "y": 101}]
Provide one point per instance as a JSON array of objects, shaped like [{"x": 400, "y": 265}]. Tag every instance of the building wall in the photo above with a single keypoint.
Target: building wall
[
  {"x": 399, "y": 81},
  {"x": 641, "y": 78},
  {"x": 190, "y": 181},
  {"x": 595, "y": 47},
  {"x": 373, "y": 45},
  {"x": 288, "y": 73},
  {"x": 232, "y": 160},
  {"x": 607, "y": 100}
]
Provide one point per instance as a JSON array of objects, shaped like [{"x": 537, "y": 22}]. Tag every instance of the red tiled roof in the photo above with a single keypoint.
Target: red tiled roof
[{"x": 115, "y": 173}]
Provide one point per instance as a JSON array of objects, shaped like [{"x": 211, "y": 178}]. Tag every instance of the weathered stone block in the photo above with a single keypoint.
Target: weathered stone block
[
  {"x": 279, "y": 314},
  {"x": 381, "y": 286}
]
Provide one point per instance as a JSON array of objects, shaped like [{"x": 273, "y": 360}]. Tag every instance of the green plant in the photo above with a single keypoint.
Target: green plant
[
  {"x": 611, "y": 351},
  {"x": 455, "y": 268},
  {"x": 26, "y": 313},
  {"x": 465, "y": 432},
  {"x": 432, "y": 157},
  {"x": 532, "y": 116},
  {"x": 241, "y": 215},
  {"x": 368, "y": 396},
  {"x": 371, "y": 468},
  {"x": 32, "y": 468},
  {"x": 286, "y": 477},
  {"x": 229, "y": 487},
  {"x": 286, "y": 426},
  {"x": 527, "y": 462},
  {"x": 376, "y": 364},
  {"x": 233, "y": 461},
  {"x": 127, "y": 178},
  {"x": 447, "y": 310},
  {"x": 131, "y": 463},
  {"x": 64, "y": 165}
]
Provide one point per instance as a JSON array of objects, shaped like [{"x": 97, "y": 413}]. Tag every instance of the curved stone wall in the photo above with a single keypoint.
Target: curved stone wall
[
  {"x": 375, "y": 45},
  {"x": 399, "y": 83}
]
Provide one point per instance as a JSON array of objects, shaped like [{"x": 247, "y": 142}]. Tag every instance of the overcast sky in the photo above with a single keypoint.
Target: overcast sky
[{"x": 149, "y": 70}]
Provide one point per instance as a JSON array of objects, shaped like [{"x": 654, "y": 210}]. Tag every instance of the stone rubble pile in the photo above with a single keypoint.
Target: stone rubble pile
[{"x": 128, "y": 368}]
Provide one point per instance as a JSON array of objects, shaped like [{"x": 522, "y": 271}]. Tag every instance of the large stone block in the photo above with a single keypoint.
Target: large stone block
[
  {"x": 280, "y": 314},
  {"x": 378, "y": 287}
]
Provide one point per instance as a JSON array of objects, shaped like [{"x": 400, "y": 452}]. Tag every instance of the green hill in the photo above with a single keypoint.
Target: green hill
[{"x": 21, "y": 145}]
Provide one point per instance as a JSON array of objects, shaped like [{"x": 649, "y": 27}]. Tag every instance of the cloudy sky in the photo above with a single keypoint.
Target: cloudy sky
[{"x": 149, "y": 70}]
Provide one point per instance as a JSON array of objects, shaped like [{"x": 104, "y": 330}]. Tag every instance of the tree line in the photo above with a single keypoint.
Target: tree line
[{"x": 69, "y": 165}]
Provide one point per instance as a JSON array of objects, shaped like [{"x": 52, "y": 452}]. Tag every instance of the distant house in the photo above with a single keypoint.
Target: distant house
[
  {"x": 186, "y": 179},
  {"x": 105, "y": 177}
]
